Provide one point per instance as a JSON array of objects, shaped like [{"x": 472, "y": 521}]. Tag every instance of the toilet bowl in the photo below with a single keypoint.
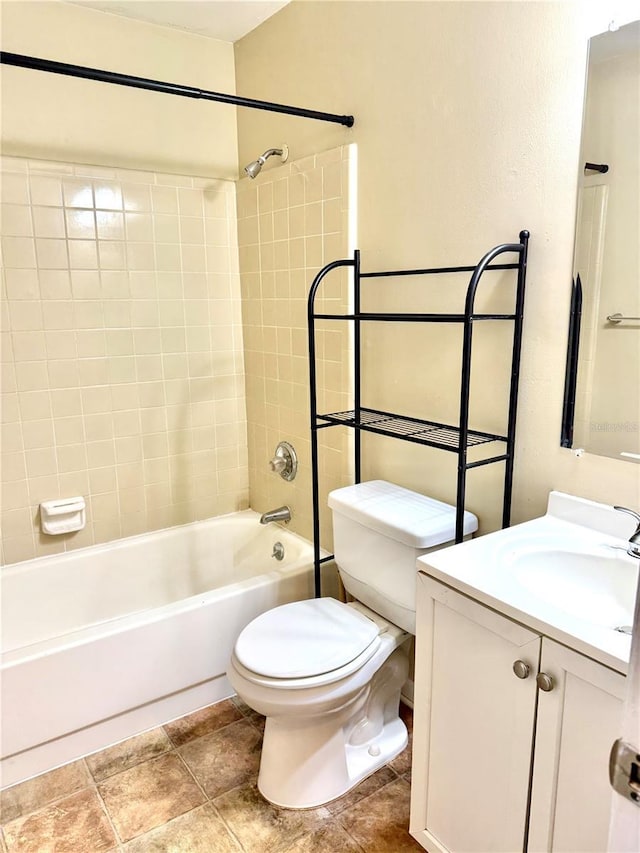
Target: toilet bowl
[
  {"x": 327, "y": 675},
  {"x": 325, "y": 717}
]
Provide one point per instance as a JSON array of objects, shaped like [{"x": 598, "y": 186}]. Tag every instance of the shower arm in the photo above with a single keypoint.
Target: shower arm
[{"x": 270, "y": 152}]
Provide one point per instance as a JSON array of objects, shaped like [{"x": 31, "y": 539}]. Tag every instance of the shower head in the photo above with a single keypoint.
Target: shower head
[{"x": 253, "y": 169}]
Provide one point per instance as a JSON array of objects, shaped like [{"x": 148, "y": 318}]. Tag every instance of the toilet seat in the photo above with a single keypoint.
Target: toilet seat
[{"x": 306, "y": 644}]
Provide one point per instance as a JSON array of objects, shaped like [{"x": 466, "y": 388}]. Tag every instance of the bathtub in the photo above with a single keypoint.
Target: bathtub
[{"x": 103, "y": 643}]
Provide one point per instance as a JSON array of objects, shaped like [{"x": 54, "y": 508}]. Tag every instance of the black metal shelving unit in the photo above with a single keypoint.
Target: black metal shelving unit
[{"x": 449, "y": 437}]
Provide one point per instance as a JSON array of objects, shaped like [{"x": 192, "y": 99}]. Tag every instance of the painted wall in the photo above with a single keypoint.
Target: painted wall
[
  {"x": 468, "y": 121},
  {"x": 61, "y": 118}
]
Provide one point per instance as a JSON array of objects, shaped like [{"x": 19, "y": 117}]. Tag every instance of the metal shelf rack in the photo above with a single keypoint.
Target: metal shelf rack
[{"x": 450, "y": 437}]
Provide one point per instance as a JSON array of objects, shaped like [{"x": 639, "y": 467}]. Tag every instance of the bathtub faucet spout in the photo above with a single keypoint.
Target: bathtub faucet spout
[{"x": 283, "y": 513}]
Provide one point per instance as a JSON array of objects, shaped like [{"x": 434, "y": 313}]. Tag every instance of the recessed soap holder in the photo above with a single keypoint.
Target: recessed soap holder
[
  {"x": 64, "y": 515},
  {"x": 285, "y": 461}
]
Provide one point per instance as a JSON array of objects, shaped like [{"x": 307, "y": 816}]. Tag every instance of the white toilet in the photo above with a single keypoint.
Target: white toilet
[{"x": 327, "y": 675}]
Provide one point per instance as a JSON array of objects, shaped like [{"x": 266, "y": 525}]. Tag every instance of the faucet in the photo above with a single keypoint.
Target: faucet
[
  {"x": 634, "y": 541},
  {"x": 283, "y": 513}
]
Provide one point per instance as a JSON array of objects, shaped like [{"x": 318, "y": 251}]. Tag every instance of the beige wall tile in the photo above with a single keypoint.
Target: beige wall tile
[
  {"x": 110, "y": 369},
  {"x": 298, "y": 213},
  {"x": 19, "y": 252},
  {"x": 45, "y": 190},
  {"x": 16, "y": 220}
]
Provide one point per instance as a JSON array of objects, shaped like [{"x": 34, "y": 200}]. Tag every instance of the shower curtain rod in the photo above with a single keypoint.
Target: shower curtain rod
[{"x": 53, "y": 67}]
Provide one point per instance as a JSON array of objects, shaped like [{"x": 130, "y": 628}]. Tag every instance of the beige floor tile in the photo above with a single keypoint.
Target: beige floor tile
[
  {"x": 127, "y": 754},
  {"x": 406, "y": 714},
  {"x": 156, "y": 806},
  {"x": 203, "y": 722},
  {"x": 331, "y": 838},
  {"x": 148, "y": 795},
  {"x": 240, "y": 704},
  {"x": 402, "y": 763},
  {"x": 199, "y": 831},
  {"x": 367, "y": 787},
  {"x": 257, "y": 719},
  {"x": 264, "y": 828},
  {"x": 38, "y": 792},
  {"x": 75, "y": 823},
  {"x": 224, "y": 759},
  {"x": 379, "y": 824}
]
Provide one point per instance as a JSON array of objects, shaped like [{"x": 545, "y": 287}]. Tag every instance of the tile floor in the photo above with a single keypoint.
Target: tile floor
[{"x": 190, "y": 787}]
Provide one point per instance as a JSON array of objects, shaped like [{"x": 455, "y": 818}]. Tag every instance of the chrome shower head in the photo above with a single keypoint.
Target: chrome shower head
[{"x": 253, "y": 169}]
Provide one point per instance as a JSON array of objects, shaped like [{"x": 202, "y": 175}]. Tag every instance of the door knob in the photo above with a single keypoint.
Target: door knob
[
  {"x": 545, "y": 682},
  {"x": 521, "y": 669}
]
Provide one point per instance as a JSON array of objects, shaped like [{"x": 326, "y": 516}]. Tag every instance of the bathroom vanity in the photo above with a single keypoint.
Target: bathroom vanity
[{"x": 520, "y": 680}]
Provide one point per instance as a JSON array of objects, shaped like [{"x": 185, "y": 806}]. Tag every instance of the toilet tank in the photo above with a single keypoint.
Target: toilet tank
[{"x": 379, "y": 531}]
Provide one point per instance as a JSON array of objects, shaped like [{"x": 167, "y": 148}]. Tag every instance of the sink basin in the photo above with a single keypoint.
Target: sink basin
[
  {"x": 598, "y": 586},
  {"x": 566, "y": 574}
]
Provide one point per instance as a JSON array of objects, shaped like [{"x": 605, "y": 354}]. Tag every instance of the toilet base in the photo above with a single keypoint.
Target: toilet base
[
  {"x": 310, "y": 761},
  {"x": 325, "y": 787}
]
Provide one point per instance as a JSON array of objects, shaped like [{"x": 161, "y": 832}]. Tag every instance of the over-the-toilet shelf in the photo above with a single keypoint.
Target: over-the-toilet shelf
[{"x": 457, "y": 438}]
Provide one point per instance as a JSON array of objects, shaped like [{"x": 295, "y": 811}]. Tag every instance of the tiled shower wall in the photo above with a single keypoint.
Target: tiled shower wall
[
  {"x": 292, "y": 220},
  {"x": 121, "y": 351}
]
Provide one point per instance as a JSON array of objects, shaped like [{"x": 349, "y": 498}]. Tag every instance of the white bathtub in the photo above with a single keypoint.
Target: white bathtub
[{"x": 106, "y": 642}]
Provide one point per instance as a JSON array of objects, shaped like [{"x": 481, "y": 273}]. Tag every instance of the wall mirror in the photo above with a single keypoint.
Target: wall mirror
[{"x": 602, "y": 387}]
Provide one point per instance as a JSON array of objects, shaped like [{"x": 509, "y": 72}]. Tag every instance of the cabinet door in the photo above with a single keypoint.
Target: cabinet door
[
  {"x": 578, "y": 721},
  {"x": 473, "y": 725}
]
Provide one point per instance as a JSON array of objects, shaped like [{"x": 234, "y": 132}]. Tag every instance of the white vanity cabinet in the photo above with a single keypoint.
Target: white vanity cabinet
[
  {"x": 500, "y": 765},
  {"x": 577, "y": 723}
]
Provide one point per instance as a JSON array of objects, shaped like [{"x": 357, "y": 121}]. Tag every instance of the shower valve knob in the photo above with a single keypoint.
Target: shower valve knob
[{"x": 285, "y": 461}]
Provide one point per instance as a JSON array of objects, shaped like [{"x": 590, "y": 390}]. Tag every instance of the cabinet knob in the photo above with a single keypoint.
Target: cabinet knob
[
  {"x": 544, "y": 682},
  {"x": 521, "y": 669}
]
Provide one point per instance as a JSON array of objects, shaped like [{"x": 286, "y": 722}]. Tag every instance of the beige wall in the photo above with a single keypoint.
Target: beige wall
[
  {"x": 122, "y": 373},
  {"x": 55, "y": 117},
  {"x": 468, "y": 119},
  {"x": 291, "y": 220}
]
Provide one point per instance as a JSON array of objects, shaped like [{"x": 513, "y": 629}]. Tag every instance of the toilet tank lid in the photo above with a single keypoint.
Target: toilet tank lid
[{"x": 403, "y": 515}]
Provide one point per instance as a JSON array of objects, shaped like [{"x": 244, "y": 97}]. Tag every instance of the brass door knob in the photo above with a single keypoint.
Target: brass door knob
[
  {"x": 521, "y": 669},
  {"x": 544, "y": 682}
]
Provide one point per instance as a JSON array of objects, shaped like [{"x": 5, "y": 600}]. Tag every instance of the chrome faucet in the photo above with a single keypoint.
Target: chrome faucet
[
  {"x": 634, "y": 541},
  {"x": 283, "y": 513}
]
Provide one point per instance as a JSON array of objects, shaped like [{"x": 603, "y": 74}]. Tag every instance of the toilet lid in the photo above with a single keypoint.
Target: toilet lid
[{"x": 304, "y": 639}]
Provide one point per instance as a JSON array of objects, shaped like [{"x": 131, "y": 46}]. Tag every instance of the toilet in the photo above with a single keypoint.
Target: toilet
[{"x": 327, "y": 675}]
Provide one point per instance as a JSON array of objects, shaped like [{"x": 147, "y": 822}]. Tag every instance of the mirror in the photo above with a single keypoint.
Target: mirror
[{"x": 602, "y": 386}]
